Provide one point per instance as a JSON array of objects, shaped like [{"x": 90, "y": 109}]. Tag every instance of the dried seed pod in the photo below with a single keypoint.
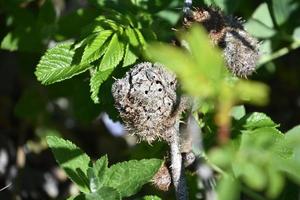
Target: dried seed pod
[
  {"x": 147, "y": 101},
  {"x": 240, "y": 49},
  {"x": 162, "y": 179}
]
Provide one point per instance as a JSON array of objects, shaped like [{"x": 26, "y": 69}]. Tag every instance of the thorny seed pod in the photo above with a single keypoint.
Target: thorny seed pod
[
  {"x": 162, "y": 179},
  {"x": 147, "y": 101},
  {"x": 240, "y": 49}
]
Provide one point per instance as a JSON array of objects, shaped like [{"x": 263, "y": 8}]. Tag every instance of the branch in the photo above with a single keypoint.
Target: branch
[
  {"x": 177, "y": 169},
  {"x": 193, "y": 157}
]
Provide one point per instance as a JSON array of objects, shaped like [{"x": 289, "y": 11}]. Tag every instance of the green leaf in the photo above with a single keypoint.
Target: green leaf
[
  {"x": 293, "y": 137},
  {"x": 257, "y": 120},
  {"x": 261, "y": 23},
  {"x": 78, "y": 197},
  {"x": 294, "y": 131},
  {"x": 132, "y": 37},
  {"x": 129, "y": 177},
  {"x": 227, "y": 188},
  {"x": 72, "y": 159},
  {"x": 237, "y": 112},
  {"x": 142, "y": 41},
  {"x": 254, "y": 176},
  {"x": 227, "y": 6},
  {"x": 296, "y": 34},
  {"x": 252, "y": 91},
  {"x": 113, "y": 55},
  {"x": 104, "y": 193},
  {"x": 269, "y": 139},
  {"x": 283, "y": 9},
  {"x": 129, "y": 57},
  {"x": 10, "y": 42},
  {"x": 95, "y": 46},
  {"x": 101, "y": 166},
  {"x": 151, "y": 198},
  {"x": 263, "y": 15},
  {"x": 258, "y": 29},
  {"x": 95, "y": 82},
  {"x": 56, "y": 65},
  {"x": 93, "y": 180},
  {"x": 275, "y": 183}
]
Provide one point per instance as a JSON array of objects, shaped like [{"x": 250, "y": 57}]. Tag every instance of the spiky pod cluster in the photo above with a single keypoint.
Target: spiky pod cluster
[
  {"x": 147, "y": 101},
  {"x": 240, "y": 49}
]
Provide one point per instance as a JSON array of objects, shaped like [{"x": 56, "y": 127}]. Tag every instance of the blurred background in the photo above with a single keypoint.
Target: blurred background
[{"x": 29, "y": 111}]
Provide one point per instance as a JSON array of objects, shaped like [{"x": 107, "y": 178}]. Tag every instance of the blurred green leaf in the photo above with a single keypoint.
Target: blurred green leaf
[
  {"x": 262, "y": 14},
  {"x": 129, "y": 177},
  {"x": 275, "y": 183},
  {"x": 283, "y": 9},
  {"x": 78, "y": 197},
  {"x": 57, "y": 64},
  {"x": 227, "y": 6},
  {"x": 72, "y": 159},
  {"x": 202, "y": 68},
  {"x": 253, "y": 175},
  {"x": 237, "y": 112},
  {"x": 228, "y": 188},
  {"x": 261, "y": 24},
  {"x": 296, "y": 34},
  {"x": 252, "y": 92},
  {"x": 258, "y": 29}
]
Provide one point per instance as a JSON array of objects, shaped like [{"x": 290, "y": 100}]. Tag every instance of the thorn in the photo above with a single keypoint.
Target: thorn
[{"x": 7, "y": 186}]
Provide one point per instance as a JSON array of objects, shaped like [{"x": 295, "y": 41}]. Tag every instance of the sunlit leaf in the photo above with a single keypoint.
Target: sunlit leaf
[
  {"x": 72, "y": 159},
  {"x": 95, "y": 82},
  {"x": 56, "y": 65},
  {"x": 129, "y": 177},
  {"x": 94, "y": 48},
  {"x": 113, "y": 55}
]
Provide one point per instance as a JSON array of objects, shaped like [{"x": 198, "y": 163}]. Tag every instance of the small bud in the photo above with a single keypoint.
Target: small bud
[{"x": 162, "y": 179}]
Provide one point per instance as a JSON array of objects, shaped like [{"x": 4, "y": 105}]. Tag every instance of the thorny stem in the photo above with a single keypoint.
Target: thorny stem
[{"x": 177, "y": 168}]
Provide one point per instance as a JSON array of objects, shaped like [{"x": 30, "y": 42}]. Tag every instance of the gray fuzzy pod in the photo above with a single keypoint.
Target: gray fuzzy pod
[
  {"x": 240, "y": 52},
  {"x": 147, "y": 101},
  {"x": 240, "y": 49}
]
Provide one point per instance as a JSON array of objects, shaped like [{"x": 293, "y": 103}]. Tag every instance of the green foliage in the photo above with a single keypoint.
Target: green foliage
[
  {"x": 105, "y": 39},
  {"x": 57, "y": 64},
  {"x": 97, "y": 180},
  {"x": 259, "y": 158},
  {"x": 151, "y": 198},
  {"x": 107, "y": 43},
  {"x": 74, "y": 161}
]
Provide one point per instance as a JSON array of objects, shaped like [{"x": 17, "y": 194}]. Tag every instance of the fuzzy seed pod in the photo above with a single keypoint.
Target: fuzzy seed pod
[
  {"x": 162, "y": 179},
  {"x": 147, "y": 101},
  {"x": 240, "y": 49}
]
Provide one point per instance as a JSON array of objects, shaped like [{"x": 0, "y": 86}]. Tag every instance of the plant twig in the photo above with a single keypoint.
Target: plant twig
[
  {"x": 177, "y": 168},
  {"x": 204, "y": 172},
  {"x": 279, "y": 53},
  {"x": 5, "y": 187}
]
